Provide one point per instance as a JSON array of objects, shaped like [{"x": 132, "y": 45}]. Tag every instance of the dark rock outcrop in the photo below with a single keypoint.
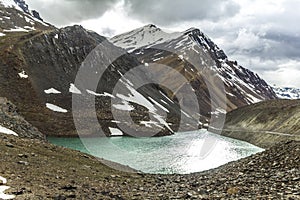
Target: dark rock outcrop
[{"x": 10, "y": 118}]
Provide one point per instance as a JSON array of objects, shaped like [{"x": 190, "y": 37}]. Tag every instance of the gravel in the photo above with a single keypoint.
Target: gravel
[{"x": 37, "y": 170}]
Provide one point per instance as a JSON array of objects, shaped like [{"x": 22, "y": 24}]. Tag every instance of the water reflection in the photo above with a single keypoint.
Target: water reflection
[{"x": 179, "y": 153}]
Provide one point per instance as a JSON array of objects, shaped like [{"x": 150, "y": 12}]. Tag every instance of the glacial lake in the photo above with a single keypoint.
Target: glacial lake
[{"x": 181, "y": 153}]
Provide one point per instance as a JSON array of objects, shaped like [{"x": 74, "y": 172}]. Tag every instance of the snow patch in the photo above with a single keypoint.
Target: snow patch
[
  {"x": 157, "y": 59},
  {"x": 159, "y": 105},
  {"x": 135, "y": 97},
  {"x": 125, "y": 106},
  {"x": 73, "y": 89},
  {"x": 105, "y": 94},
  {"x": 165, "y": 96},
  {"x": 16, "y": 29},
  {"x": 115, "y": 131},
  {"x": 55, "y": 108},
  {"x": 28, "y": 20},
  {"x": 10, "y": 4},
  {"x": 2, "y": 34},
  {"x": 29, "y": 28},
  {"x": 253, "y": 99},
  {"x": 150, "y": 124},
  {"x": 3, "y": 188},
  {"x": 3, "y": 195},
  {"x": 8, "y": 132},
  {"x": 52, "y": 91},
  {"x": 4, "y": 181},
  {"x": 23, "y": 74}
]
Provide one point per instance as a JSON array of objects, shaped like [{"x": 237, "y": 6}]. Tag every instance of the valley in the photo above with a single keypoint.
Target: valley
[{"x": 149, "y": 114}]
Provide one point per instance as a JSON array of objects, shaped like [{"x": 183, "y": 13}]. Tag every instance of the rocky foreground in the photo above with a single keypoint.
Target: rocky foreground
[{"x": 38, "y": 170}]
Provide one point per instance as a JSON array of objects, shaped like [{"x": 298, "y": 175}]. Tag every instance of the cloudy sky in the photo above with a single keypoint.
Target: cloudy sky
[{"x": 262, "y": 35}]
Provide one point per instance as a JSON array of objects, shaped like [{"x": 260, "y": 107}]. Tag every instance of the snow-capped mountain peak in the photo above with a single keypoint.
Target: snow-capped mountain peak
[
  {"x": 10, "y": 4},
  {"x": 21, "y": 6},
  {"x": 242, "y": 85},
  {"x": 17, "y": 17},
  {"x": 148, "y": 35},
  {"x": 287, "y": 92}
]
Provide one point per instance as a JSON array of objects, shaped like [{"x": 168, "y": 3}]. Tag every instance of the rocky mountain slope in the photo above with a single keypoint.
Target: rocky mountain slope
[
  {"x": 287, "y": 93},
  {"x": 38, "y": 70},
  {"x": 11, "y": 121},
  {"x": 150, "y": 44},
  {"x": 16, "y": 17},
  {"x": 39, "y": 64},
  {"x": 265, "y": 123}
]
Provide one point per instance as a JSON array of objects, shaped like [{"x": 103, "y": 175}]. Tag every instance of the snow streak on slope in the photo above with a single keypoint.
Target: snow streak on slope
[
  {"x": 52, "y": 91},
  {"x": 56, "y": 108},
  {"x": 135, "y": 97},
  {"x": 15, "y": 16},
  {"x": 241, "y": 83},
  {"x": 10, "y": 4}
]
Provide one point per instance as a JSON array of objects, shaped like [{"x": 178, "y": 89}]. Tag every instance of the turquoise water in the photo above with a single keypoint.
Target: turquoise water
[{"x": 182, "y": 153}]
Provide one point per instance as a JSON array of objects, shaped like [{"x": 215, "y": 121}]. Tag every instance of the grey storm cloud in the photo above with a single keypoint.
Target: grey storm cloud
[
  {"x": 64, "y": 12},
  {"x": 261, "y": 41},
  {"x": 162, "y": 12},
  {"x": 271, "y": 45},
  {"x": 166, "y": 12},
  {"x": 284, "y": 45}
]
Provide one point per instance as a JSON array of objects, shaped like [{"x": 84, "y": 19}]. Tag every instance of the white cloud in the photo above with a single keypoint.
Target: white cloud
[
  {"x": 288, "y": 75},
  {"x": 112, "y": 22},
  {"x": 261, "y": 35}
]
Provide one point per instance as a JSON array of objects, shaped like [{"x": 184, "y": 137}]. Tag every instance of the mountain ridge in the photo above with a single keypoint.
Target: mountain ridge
[
  {"x": 265, "y": 123},
  {"x": 47, "y": 59},
  {"x": 240, "y": 82}
]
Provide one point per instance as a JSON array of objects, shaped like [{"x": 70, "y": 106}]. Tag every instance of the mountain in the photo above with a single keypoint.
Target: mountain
[
  {"x": 39, "y": 67},
  {"x": 150, "y": 44},
  {"x": 16, "y": 17},
  {"x": 287, "y": 92},
  {"x": 266, "y": 123}
]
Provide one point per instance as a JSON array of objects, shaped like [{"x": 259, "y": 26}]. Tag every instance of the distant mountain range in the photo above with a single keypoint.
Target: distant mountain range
[
  {"x": 39, "y": 64},
  {"x": 287, "y": 92}
]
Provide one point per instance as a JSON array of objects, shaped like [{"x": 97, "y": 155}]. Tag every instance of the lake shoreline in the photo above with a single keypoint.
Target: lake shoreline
[
  {"x": 179, "y": 153},
  {"x": 72, "y": 174}
]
